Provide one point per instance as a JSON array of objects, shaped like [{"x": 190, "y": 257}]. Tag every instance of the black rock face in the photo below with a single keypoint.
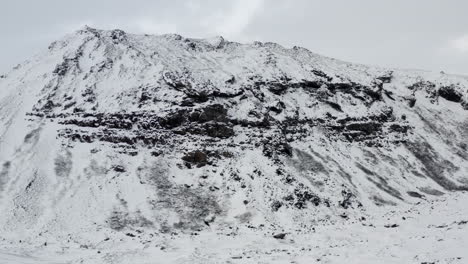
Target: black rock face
[
  {"x": 197, "y": 157},
  {"x": 450, "y": 93}
]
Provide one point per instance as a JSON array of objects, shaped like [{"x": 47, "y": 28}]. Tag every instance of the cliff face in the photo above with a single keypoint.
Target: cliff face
[{"x": 108, "y": 132}]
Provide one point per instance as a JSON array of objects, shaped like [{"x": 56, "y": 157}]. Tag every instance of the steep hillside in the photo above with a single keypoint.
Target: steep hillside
[{"x": 109, "y": 135}]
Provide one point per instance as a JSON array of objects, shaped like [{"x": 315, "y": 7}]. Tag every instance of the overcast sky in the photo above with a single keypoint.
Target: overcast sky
[{"x": 422, "y": 34}]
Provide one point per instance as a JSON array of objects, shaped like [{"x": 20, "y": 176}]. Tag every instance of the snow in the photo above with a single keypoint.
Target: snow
[
  {"x": 432, "y": 231},
  {"x": 64, "y": 201}
]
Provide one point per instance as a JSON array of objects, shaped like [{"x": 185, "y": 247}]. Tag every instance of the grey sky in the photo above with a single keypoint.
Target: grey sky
[{"x": 423, "y": 34}]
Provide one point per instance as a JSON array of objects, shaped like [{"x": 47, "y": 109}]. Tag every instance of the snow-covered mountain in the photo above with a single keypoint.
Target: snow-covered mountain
[{"x": 109, "y": 137}]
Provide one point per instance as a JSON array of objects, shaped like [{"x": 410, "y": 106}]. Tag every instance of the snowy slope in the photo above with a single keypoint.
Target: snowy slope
[{"x": 109, "y": 136}]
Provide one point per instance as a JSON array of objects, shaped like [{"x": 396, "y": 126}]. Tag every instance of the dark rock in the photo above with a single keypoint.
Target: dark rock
[
  {"x": 144, "y": 97},
  {"x": 464, "y": 104},
  {"x": 287, "y": 149},
  {"x": 118, "y": 168},
  {"x": 216, "y": 130},
  {"x": 346, "y": 202},
  {"x": 210, "y": 113},
  {"x": 231, "y": 80},
  {"x": 118, "y": 35},
  {"x": 174, "y": 120},
  {"x": 301, "y": 197},
  {"x": 63, "y": 68},
  {"x": 389, "y": 94},
  {"x": 399, "y": 128},
  {"x": 275, "y": 109},
  {"x": 412, "y": 102},
  {"x": 276, "y": 205},
  {"x": 415, "y": 195},
  {"x": 335, "y": 106},
  {"x": 386, "y": 78},
  {"x": 196, "y": 157},
  {"x": 422, "y": 85},
  {"x": 450, "y": 93},
  {"x": 155, "y": 154},
  {"x": 366, "y": 127},
  {"x": 227, "y": 95},
  {"x": 280, "y": 236},
  {"x": 322, "y": 74},
  {"x": 277, "y": 88}
]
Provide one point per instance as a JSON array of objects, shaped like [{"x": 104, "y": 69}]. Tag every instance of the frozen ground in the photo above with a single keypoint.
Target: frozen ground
[{"x": 429, "y": 232}]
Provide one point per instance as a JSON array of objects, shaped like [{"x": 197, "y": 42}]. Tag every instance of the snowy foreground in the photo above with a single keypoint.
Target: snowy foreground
[{"x": 430, "y": 232}]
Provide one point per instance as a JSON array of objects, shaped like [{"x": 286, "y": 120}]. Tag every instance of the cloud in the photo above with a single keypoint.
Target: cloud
[
  {"x": 193, "y": 5},
  {"x": 150, "y": 26},
  {"x": 141, "y": 25},
  {"x": 460, "y": 44},
  {"x": 196, "y": 18},
  {"x": 232, "y": 22}
]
